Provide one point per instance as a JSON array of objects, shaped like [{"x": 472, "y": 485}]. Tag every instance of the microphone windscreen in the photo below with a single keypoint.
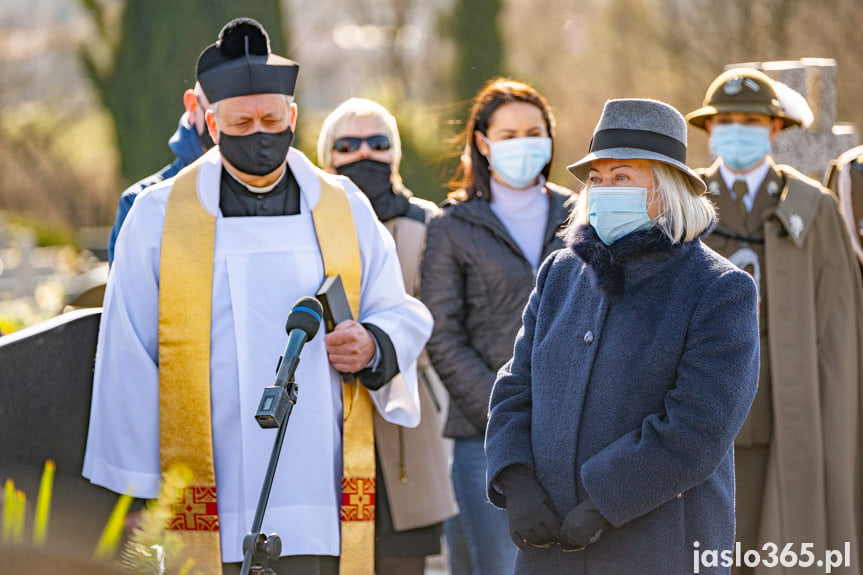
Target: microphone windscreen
[{"x": 305, "y": 315}]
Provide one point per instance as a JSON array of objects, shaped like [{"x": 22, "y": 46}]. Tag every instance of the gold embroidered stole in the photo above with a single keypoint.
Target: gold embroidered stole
[
  {"x": 334, "y": 226},
  {"x": 185, "y": 306},
  {"x": 185, "y": 428}
]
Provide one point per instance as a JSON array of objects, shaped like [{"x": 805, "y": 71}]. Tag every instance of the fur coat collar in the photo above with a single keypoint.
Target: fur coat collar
[{"x": 626, "y": 259}]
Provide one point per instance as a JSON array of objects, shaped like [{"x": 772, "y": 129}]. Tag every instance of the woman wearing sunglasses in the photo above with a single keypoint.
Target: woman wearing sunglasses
[
  {"x": 479, "y": 266},
  {"x": 360, "y": 139}
]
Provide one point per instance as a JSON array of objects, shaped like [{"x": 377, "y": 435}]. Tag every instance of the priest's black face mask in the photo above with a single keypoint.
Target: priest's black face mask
[
  {"x": 259, "y": 153},
  {"x": 255, "y": 131}
]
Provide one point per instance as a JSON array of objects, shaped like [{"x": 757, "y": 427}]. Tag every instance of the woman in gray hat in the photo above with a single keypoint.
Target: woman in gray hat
[{"x": 610, "y": 431}]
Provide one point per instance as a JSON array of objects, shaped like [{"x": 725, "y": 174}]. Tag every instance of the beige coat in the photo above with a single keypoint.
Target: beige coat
[
  {"x": 814, "y": 306},
  {"x": 847, "y": 184},
  {"x": 415, "y": 462}
]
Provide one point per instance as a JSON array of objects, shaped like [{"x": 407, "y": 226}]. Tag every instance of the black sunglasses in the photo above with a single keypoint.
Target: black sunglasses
[{"x": 378, "y": 142}]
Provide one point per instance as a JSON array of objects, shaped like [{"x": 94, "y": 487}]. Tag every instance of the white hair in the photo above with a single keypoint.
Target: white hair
[{"x": 359, "y": 108}]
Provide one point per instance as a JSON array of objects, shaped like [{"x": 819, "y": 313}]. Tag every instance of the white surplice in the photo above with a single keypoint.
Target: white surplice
[{"x": 262, "y": 266}]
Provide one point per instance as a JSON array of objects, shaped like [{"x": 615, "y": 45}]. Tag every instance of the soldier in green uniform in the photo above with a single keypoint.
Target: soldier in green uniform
[{"x": 798, "y": 456}]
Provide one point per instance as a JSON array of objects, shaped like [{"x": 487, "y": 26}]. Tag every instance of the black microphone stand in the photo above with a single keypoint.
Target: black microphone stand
[{"x": 275, "y": 408}]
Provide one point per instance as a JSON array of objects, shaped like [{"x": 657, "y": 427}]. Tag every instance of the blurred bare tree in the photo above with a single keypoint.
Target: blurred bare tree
[
  {"x": 670, "y": 50},
  {"x": 43, "y": 184},
  {"x": 394, "y": 15},
  {"x": 44, "y": 128},
  {"x": 402, "y": 49}
]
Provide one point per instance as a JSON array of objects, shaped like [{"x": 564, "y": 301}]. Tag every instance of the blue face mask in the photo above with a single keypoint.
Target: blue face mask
[
  {"x": 617, "y": 211},
  {"x": 739, "y": 146},
  {"x": 518, "y": 161}
]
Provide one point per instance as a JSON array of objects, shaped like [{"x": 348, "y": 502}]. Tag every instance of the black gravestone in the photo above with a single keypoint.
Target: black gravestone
[{"x": 46, "y": 379}]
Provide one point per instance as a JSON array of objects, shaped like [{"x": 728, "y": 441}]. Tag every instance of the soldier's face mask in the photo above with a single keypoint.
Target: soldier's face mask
[{"x": 741, "y": 147}]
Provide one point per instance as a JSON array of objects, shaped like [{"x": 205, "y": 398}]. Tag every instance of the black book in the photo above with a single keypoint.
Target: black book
[{"x": 332, "y": 296}]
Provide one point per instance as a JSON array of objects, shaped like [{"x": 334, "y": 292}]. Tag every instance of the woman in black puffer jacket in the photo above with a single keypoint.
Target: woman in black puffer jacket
[{"x": 478, "y": 270}]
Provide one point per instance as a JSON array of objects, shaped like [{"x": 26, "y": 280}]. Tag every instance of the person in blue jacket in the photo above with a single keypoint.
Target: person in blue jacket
[
  {"x": 188, "y": 143},
  {"x": 611, "y": 429}
]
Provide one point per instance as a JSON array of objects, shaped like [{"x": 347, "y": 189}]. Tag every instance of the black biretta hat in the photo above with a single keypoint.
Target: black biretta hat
[{"x": 240, "y": 64}]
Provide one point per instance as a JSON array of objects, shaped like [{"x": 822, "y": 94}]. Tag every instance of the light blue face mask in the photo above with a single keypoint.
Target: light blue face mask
[
  {"x": 740, "y": 146},
  {"x": 615, "y": 212},
  {"x": 518, "y": 161}
]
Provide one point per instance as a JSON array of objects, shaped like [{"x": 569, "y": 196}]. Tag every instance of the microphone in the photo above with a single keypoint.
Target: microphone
[{"x": 302, "y": 325}]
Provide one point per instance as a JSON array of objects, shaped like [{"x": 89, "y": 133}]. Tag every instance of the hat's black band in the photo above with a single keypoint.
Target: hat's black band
[{"x": 641, "y": 139}]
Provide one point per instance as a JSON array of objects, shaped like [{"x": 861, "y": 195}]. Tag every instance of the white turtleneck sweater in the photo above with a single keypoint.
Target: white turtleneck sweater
[{"x": 524, "y": 213}]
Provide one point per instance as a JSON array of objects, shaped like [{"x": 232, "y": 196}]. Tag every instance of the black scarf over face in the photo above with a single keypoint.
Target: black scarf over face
[{"x": 373, "y": 178}]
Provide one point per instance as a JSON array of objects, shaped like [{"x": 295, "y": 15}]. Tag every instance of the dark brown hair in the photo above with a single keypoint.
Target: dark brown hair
[{"x": 473, "y": 180}]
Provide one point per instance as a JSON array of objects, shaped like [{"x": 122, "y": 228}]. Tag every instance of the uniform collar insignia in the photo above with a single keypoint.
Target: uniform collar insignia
[
  {"x": 772, "y": 188},
  {"x": 795, "y": 223},
  {"x": 713, "y": 187}
]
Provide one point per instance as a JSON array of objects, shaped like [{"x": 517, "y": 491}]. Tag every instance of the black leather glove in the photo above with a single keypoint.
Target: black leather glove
[
  {"x": 582, "y": 526},
  {"x": 532, "y": 519}
]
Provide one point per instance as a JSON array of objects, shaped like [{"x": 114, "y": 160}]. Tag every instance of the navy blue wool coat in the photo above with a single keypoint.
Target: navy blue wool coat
[{"x": 633, "y": 372}]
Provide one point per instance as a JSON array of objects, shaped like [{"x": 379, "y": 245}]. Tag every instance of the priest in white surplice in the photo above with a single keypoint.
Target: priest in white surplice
[{"x": 265, "y": 256}]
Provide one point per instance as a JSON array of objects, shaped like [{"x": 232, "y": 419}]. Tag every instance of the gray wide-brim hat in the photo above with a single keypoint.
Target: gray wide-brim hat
[{"x": 639, "y": 129}]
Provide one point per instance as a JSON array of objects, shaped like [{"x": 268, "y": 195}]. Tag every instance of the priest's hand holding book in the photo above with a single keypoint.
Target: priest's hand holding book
[
  {"x": 354, "y": 348},
  {"x": 350, "y": 346}
]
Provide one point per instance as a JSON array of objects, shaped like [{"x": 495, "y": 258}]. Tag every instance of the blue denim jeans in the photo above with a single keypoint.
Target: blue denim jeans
[{"x": 480, "y": 528}]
